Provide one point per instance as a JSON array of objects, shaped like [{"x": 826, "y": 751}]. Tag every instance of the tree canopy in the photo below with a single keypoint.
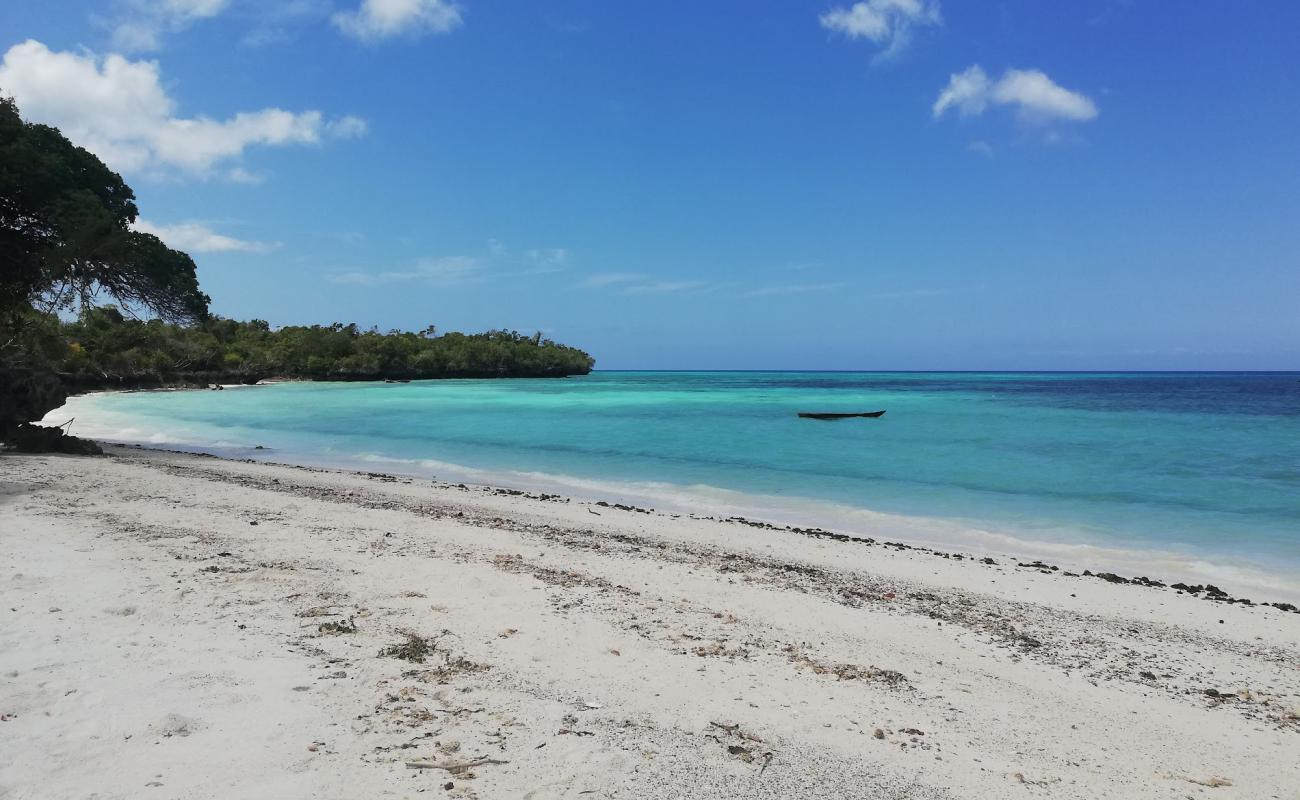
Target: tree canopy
[
  {"x": 67, "y": 241},
  {"x": 105, "y": 348},
  {"x": 66, "y": 237}
]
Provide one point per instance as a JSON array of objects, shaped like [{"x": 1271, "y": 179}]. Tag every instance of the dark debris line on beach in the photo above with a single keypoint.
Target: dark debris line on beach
[
  {"x": 1209, "y": 591},
  {"x": 1203, "y": 591},
  {"x": 1002, "y": 625}
]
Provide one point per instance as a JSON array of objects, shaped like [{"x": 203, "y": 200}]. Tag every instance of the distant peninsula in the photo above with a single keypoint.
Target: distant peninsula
[
  {"x": 68, "y": 237},
  {"x": 106, "y": 349}
]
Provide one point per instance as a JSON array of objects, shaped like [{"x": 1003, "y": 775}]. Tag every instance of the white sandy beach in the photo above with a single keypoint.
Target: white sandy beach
[{"x": 178, "y": 626}]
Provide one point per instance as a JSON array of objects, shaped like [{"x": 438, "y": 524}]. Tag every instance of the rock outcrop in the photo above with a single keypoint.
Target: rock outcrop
[
  {"x": 40, "y": 439},
  {"x": 27, "y": 396}
]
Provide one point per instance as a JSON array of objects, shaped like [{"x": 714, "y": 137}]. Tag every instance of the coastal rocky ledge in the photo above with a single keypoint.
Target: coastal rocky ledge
[{"x": 373, "y": 635}]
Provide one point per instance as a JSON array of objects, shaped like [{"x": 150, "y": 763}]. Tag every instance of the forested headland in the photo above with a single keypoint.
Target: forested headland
[
  {"x": 88, "y": 302},
  {"x": 103, "y": 347}
]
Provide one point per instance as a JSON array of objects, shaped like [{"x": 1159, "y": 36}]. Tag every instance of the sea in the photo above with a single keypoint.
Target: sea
[{"x": 1178, "y": 476}]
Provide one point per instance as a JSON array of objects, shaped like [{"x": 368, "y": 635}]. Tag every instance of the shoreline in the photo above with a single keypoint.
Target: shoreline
[
  {"x": 173, "y": 613},
  {"x": 81, "y": 385},
  {"x": 1243, "y": 573},
  {"x": 988, "y": 557},
  {"x": 1259, "y": 573},
  {"x": 1226, "y": 577}
]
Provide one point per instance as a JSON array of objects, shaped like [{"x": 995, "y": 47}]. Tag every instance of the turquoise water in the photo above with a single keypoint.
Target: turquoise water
[{"x": 1203, "y": 465}]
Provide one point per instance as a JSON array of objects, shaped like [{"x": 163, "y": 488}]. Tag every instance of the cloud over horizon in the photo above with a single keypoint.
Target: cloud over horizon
[
  {"x": 888, "y": 23},
  {"x": 118, "y": 109},
  {"x": 1035, "y": 96}
]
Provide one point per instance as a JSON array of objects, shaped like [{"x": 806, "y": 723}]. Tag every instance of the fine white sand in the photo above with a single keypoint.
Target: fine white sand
[{"x": 182, "y": 627}]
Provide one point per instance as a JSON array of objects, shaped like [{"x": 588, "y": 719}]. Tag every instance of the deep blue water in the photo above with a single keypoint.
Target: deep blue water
[{"x": 1203, "y": 464}]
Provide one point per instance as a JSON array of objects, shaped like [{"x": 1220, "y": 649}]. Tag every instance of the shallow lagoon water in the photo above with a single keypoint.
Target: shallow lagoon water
[{"x": 1200, "y": 466}]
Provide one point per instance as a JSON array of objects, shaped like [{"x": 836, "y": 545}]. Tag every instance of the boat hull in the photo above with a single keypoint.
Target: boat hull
[{"x": 830, "y": 415}]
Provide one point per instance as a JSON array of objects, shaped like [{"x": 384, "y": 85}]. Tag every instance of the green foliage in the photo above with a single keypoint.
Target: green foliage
[
  {"x": 66, "y": 237},
  {"x": 103, "y": 345}
]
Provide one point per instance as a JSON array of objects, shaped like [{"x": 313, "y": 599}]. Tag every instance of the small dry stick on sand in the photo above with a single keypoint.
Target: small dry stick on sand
[
  {"x": 1214, "y": 781},
  {"x": 455, "y": 766}
]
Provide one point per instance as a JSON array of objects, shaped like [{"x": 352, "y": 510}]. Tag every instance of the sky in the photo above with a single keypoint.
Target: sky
[{"x": 889, "y": 184}]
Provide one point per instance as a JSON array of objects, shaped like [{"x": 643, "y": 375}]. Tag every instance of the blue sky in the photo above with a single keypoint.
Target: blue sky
[{"x": 893, "y": 184}]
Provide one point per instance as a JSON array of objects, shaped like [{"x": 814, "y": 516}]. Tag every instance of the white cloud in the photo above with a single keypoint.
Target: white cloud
[
  {"x": 549, "y": 257},
  {"x": 903, "y": 294},
  {"x": 241, "y": 175},
  {"x": 348, "y": 127},
  {"x": 443, "y": 271},
  {"x": 118, "y": 109},
  {"x": 639, "y": 283},
  {"x": 602, "y": 279},
  {"x": 384, "y": 19},
  {"x": 967, "y": 91},
  {"x": 538, "y": 261},
  {"x": 195, "y": 237},
  {"x": 1036, "y": 97},
  {"x": 281, "y": 21},
  {"x": 665, "y": 287},
  {"x": 145, "y": 21},
  {"x": 498, "y": 263},
  {"x": 885, "y": 22},
  {"x": 980, "y": 148}
]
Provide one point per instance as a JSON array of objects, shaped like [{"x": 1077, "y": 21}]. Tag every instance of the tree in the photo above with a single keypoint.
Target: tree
[{"x": 66, "y": 237}]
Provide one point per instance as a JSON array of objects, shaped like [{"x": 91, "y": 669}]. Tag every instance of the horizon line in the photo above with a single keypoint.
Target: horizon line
[{"x": 989, "y": 371}]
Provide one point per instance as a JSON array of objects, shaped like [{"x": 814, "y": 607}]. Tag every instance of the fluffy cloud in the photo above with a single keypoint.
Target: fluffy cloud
[
  {"x": 118, "y": 109},
  {"x": 384, "y": 19},
  {"x": 145, "y": 21},
  {"x": 885, "y": 22},
  {"x": 194, "y": 237},
  {"x": 141, "y": 25},
  {"x": 967, "y": 91},
  {"x": 1036, "y": 97},
  {"x": 348, "y": 127}
]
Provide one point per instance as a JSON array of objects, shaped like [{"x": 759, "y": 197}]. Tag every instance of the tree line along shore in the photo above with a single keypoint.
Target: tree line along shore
[
  {"x": 104, "y": 348},
  {"x": 87, "y": 302}
]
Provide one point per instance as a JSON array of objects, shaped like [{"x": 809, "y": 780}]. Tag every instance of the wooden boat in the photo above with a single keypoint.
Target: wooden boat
[{"x": 817, "y": 415}]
